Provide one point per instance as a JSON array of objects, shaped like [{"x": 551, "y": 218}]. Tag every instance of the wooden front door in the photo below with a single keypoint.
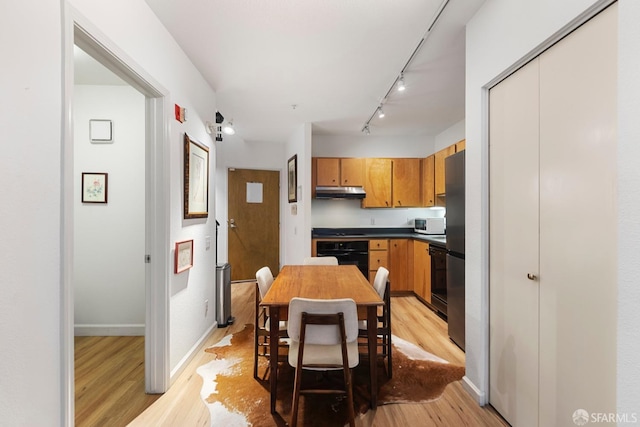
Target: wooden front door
[{"x": 254, "y": 222}]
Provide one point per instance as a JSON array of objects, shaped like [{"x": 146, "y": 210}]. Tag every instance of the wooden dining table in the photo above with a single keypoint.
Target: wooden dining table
[{"x": 322, "y": 282}]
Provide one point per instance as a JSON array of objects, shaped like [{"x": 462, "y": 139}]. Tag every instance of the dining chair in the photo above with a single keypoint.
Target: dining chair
[
  {"x": 320, "y": 260},
  {"x": 264, "y": 280},
  {"x": 383, "y": 288},
  {"x": 324, "y": 336}
]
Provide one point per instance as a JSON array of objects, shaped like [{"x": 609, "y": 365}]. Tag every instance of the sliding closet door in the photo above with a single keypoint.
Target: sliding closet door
[
  {"x": 513, "y": 297},
  {"x": 578, "y": 123}
]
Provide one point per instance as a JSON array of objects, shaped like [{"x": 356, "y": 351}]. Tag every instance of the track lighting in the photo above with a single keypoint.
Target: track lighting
[
  {"x": 398, "y": 83},
  {"x": 228, "y": 128},
  {"x": 401, "y": 86}
]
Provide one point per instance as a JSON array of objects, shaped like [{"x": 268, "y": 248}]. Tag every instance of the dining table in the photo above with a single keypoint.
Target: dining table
[{"x": 322, "y": 282}]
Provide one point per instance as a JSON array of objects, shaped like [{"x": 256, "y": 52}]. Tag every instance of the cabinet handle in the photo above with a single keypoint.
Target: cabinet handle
[{"x": 531, "y": 276}]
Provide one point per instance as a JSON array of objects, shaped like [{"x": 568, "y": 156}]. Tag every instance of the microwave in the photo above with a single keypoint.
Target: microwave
[{"x": 429, "y": 225}]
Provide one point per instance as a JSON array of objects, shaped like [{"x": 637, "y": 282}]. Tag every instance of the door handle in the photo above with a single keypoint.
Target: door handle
[
  {"x": 531, "y": 276},
  {"x": 232, "y": 223}
]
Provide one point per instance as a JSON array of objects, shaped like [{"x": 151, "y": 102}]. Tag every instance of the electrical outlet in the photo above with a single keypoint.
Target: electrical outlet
[
  {"x": 373, "y": 221},
  {"x": 206, "y": 307}
]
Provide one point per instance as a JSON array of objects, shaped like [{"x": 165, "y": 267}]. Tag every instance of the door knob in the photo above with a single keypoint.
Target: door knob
[
  {"x": 531, "y": 276},
  {"x": 232, "y": 223}
]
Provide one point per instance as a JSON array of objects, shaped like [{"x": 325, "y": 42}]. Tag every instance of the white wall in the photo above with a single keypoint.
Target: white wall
[
  {"x": 297, "y": 216},
  {"x": 348, "y": 213},
  {"x": 135, "y": 30},
  {"x": 109, "y": 239},
  {"x": 628, "y": 206},
  {"x": 499, "y": 35},
  {"x": 30, "y": 123}
]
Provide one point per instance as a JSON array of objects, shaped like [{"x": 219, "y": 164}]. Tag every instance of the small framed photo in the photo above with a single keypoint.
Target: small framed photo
[
  {"x": 94, "y": 187},
  {"x": 183, "y": 256},
  {"x": 292, "y": 178},
  {"x": 101, "y": 131}
]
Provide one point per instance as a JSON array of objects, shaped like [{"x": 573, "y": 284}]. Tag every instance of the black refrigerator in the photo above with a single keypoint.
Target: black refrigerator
[{"x": 454, "y": 181}]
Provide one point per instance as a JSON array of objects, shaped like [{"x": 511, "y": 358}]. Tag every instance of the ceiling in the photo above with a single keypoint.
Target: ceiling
[{"x": 277, "y": 64}]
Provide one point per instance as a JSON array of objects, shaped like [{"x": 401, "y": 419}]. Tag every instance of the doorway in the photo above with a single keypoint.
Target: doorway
[
  {"x": 254, "y": 222},
  {"x": 77, "y": 31}
]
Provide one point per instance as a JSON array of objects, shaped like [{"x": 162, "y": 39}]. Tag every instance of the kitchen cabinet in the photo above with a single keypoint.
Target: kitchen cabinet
[
  {"x": 400, "y": 264},
  {"x": 378, "y": 256},
  {"x": 439, "y": 168},
  {"x": 331, "y": 172},
  {"x": 552, "y": 294},
  {"x": 428, "y": 184},
  {"x": 377, "y": 183},
  {"x": 406, "y": 182},
  {"x": 461, "y": 145},
  {"x": 422, "y": 271}
]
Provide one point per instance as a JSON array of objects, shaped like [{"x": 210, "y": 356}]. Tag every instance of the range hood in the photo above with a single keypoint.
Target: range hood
[{"x": 340, "y": 193}]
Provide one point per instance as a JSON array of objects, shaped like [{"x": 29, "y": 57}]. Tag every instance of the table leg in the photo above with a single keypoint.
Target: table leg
[
  {"x": 372, "y": 327},
  {"x": 274, "y": 325}
]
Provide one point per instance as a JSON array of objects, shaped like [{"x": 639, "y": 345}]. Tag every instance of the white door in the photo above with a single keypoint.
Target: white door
[
  {"x": 513, "y": 298},
  {"x": 545, "y": 366}
]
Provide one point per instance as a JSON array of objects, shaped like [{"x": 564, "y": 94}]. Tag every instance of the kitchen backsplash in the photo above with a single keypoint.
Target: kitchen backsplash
[{"x": 347, "y": 213}]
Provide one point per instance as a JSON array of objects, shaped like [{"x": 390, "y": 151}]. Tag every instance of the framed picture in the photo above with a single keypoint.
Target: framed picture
[
  {"x": 94, "y": 187},
  {"x": 196, "y": 179},
  {"x": 292, "y": 178},
  {"x": 183, "y": 256}
]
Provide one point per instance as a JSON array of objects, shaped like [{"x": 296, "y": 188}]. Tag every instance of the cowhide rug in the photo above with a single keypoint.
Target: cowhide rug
[{"x": 235, "y": 398}]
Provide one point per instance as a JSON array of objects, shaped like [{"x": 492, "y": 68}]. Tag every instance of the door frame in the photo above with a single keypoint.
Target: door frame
[{"x": 78, "y": 30}]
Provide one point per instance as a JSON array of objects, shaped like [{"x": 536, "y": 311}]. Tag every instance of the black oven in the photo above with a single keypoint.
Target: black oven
[
  {"x": 438, "y": 278},
  {"x": 348, "y": 252}
]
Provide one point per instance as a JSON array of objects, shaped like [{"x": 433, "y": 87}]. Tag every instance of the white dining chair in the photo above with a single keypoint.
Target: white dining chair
[
  {"x": 382, "y": 286},
  {"x": 320, "y": 260},
  {"x": 264, "y": 280},
  {"x": 324, "y": 336}
]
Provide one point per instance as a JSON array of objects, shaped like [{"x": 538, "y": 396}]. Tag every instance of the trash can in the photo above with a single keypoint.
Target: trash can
[{"x": 223, "y": 295}]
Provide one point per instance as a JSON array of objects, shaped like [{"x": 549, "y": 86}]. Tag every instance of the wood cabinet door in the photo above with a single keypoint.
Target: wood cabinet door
[
  {"x": 377, "y": 183},
  {"x": 407, "y": 182},
  {"x": 428, "y": 187},
  {"x": 352, "y": 172},
  {"x": 461, "y": 145},
  {"x": 327, "y": 172},
  {"x": 398, "y": 265},
  {"x": 422, "y": 270},
  {"x": 439, "y": 168}
]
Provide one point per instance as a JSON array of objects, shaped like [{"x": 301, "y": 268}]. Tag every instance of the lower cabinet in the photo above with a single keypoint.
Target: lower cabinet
[
  {"x": 378, "y": 256},
  {"x": 422, "y": 271},
  {"x": 400, "y": 264}
]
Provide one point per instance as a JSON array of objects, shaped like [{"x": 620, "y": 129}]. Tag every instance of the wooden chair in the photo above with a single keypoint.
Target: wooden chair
[
  {"x": 324, "y": 336},
  {"x": 264, "y": 280},
  {"x": 382, "y": 286},
  {"x": 320, "y": 260}
]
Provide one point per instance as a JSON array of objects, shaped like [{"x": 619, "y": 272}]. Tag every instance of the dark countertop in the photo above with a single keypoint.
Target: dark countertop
[{"x": 376, "y": 233}]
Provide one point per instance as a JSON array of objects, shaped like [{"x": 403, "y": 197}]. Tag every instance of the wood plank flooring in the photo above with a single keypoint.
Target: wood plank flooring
[{"x": 182, "y": 406}]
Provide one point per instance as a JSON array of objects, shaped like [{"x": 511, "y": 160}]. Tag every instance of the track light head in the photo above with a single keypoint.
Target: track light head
[
  {"x": 228, "y": 128},
  {"x": 401, "y": 86},
  {"x": 380, "y": 112}
]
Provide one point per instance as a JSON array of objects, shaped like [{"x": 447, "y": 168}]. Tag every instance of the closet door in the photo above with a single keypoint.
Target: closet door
[
  {"x": 513, "y": 297},
  {"x": 578, "y": 122}
]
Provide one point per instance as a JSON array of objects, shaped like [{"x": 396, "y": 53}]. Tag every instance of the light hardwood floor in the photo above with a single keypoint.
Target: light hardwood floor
[{"x": 182, "y": 406}]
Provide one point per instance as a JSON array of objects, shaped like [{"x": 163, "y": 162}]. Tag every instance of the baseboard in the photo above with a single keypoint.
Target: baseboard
[
  {"x": 182, "y": 364},
  {"x": 478, "y": 396},
  {"x": 108, "y": 330}
]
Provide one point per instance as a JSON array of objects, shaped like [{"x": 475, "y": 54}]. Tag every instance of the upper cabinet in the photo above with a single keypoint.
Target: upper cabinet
[
  {"x": 439, "y": 183},
  {"x": 377, "y": 183},
  {"x": 331, "y": 172},
  {"x": 428, "y": 183},
  {"x": 406, "y": 182}
]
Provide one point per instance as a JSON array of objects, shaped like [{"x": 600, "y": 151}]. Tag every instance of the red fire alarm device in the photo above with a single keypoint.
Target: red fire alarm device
[{"x": 180, "y": 113}]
